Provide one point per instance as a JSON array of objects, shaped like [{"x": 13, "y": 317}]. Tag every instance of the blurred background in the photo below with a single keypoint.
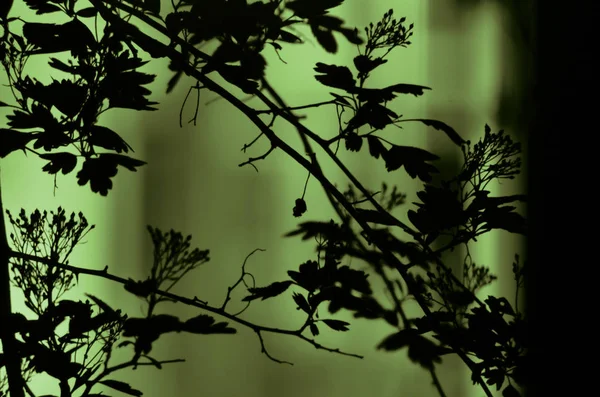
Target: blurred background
[{"x": 476, "y": 56}]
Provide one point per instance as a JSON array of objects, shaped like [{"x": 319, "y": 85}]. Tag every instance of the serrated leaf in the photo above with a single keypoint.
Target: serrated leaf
[
  {"x": 376, "y": 148},
  {"x": 335, "y": 76},
  {"x": 62, "y": 161},
  {"x": 205, "y": 324}
]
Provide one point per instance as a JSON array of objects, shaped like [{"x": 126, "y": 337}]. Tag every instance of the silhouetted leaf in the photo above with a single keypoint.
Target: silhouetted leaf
[
  {"x": 99, "y": 171},
  {"x": 88, "y": 12},
  {"x": 337, "y": 325},
  {"x": 423, "y": 352},
  {"x": 314, "y": 329},
  {"x": 289, "y": 37},
  {"x": 11, "y": 140},
  {"x": 124, "y": 90},
  {"x": 311, "y": 8},
  {"x": 365, "y": 64},
  {"x": 51, "y": 38},
  {"x": 329, "y": 230},
  {"x": 235, "y": 75},
  {"x": 449, "y": 131},
  {"x": 353, "y": 141},
  {"x": 121, "y": 386},
  {"x": 142, "y": 289},
  {"x": 42, "y": 6},
  {"x": 152, "y": 5},
  {"x": 61, "y": 161},
  {"x": 205, "y": 324},
  {"x": 494, "y": 377},
  {"x": 108, "y": 139},
  {"x": 340, "y": 99},
  {"x": 504, "y": 218},
  {"x": 307, "y": 276},
  {"x": 103, "y": 305},
  {"x": 300, "y": 208},
  {"x": 380, "y": 95},
  {"x": 71, "y": 99},
  {"x": 353, "y": 279},
  {"x": 269, "y": 291},
  {"x": 301, "y": 302},
  {"x": 398, "y": 340},
  {"x": 499, "y": 305},
  {"x": 335, "y": 76},
  {"x": 413, "y": 159},
  {"x": 322, "y": 29},
  {"x": 37, "y": 118},
  {"x": 377, "y": 116},
  {"x": 60, "y": 65},
  {"x": 376, "y": 148}
]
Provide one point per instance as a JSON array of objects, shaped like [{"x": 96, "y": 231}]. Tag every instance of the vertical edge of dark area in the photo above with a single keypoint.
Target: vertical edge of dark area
[{"x": 562, "y": 156}]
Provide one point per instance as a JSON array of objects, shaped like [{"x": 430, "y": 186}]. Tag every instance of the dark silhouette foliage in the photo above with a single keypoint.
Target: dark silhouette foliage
[{"x": 489, "y": 336}]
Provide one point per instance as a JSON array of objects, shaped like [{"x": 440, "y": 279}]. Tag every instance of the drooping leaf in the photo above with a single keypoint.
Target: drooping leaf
[
  {"x": 376, "y": 148},
  {"x": 314, "y": 329},
  {"x": 107, "y": 139},
  {"x": 353, "y": 141},
  {"x": 121, "y": 386},
  {"x": 300, "y": 207},
  {"x": 269, "y": 291},
  {"x": 445, "y": 128}
]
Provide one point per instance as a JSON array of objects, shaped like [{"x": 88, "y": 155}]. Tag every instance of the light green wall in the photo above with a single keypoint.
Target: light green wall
[{"x": 192, "y": 183}]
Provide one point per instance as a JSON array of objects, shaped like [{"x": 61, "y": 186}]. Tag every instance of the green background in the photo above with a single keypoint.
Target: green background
[{"x": 471, "y": 58}]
